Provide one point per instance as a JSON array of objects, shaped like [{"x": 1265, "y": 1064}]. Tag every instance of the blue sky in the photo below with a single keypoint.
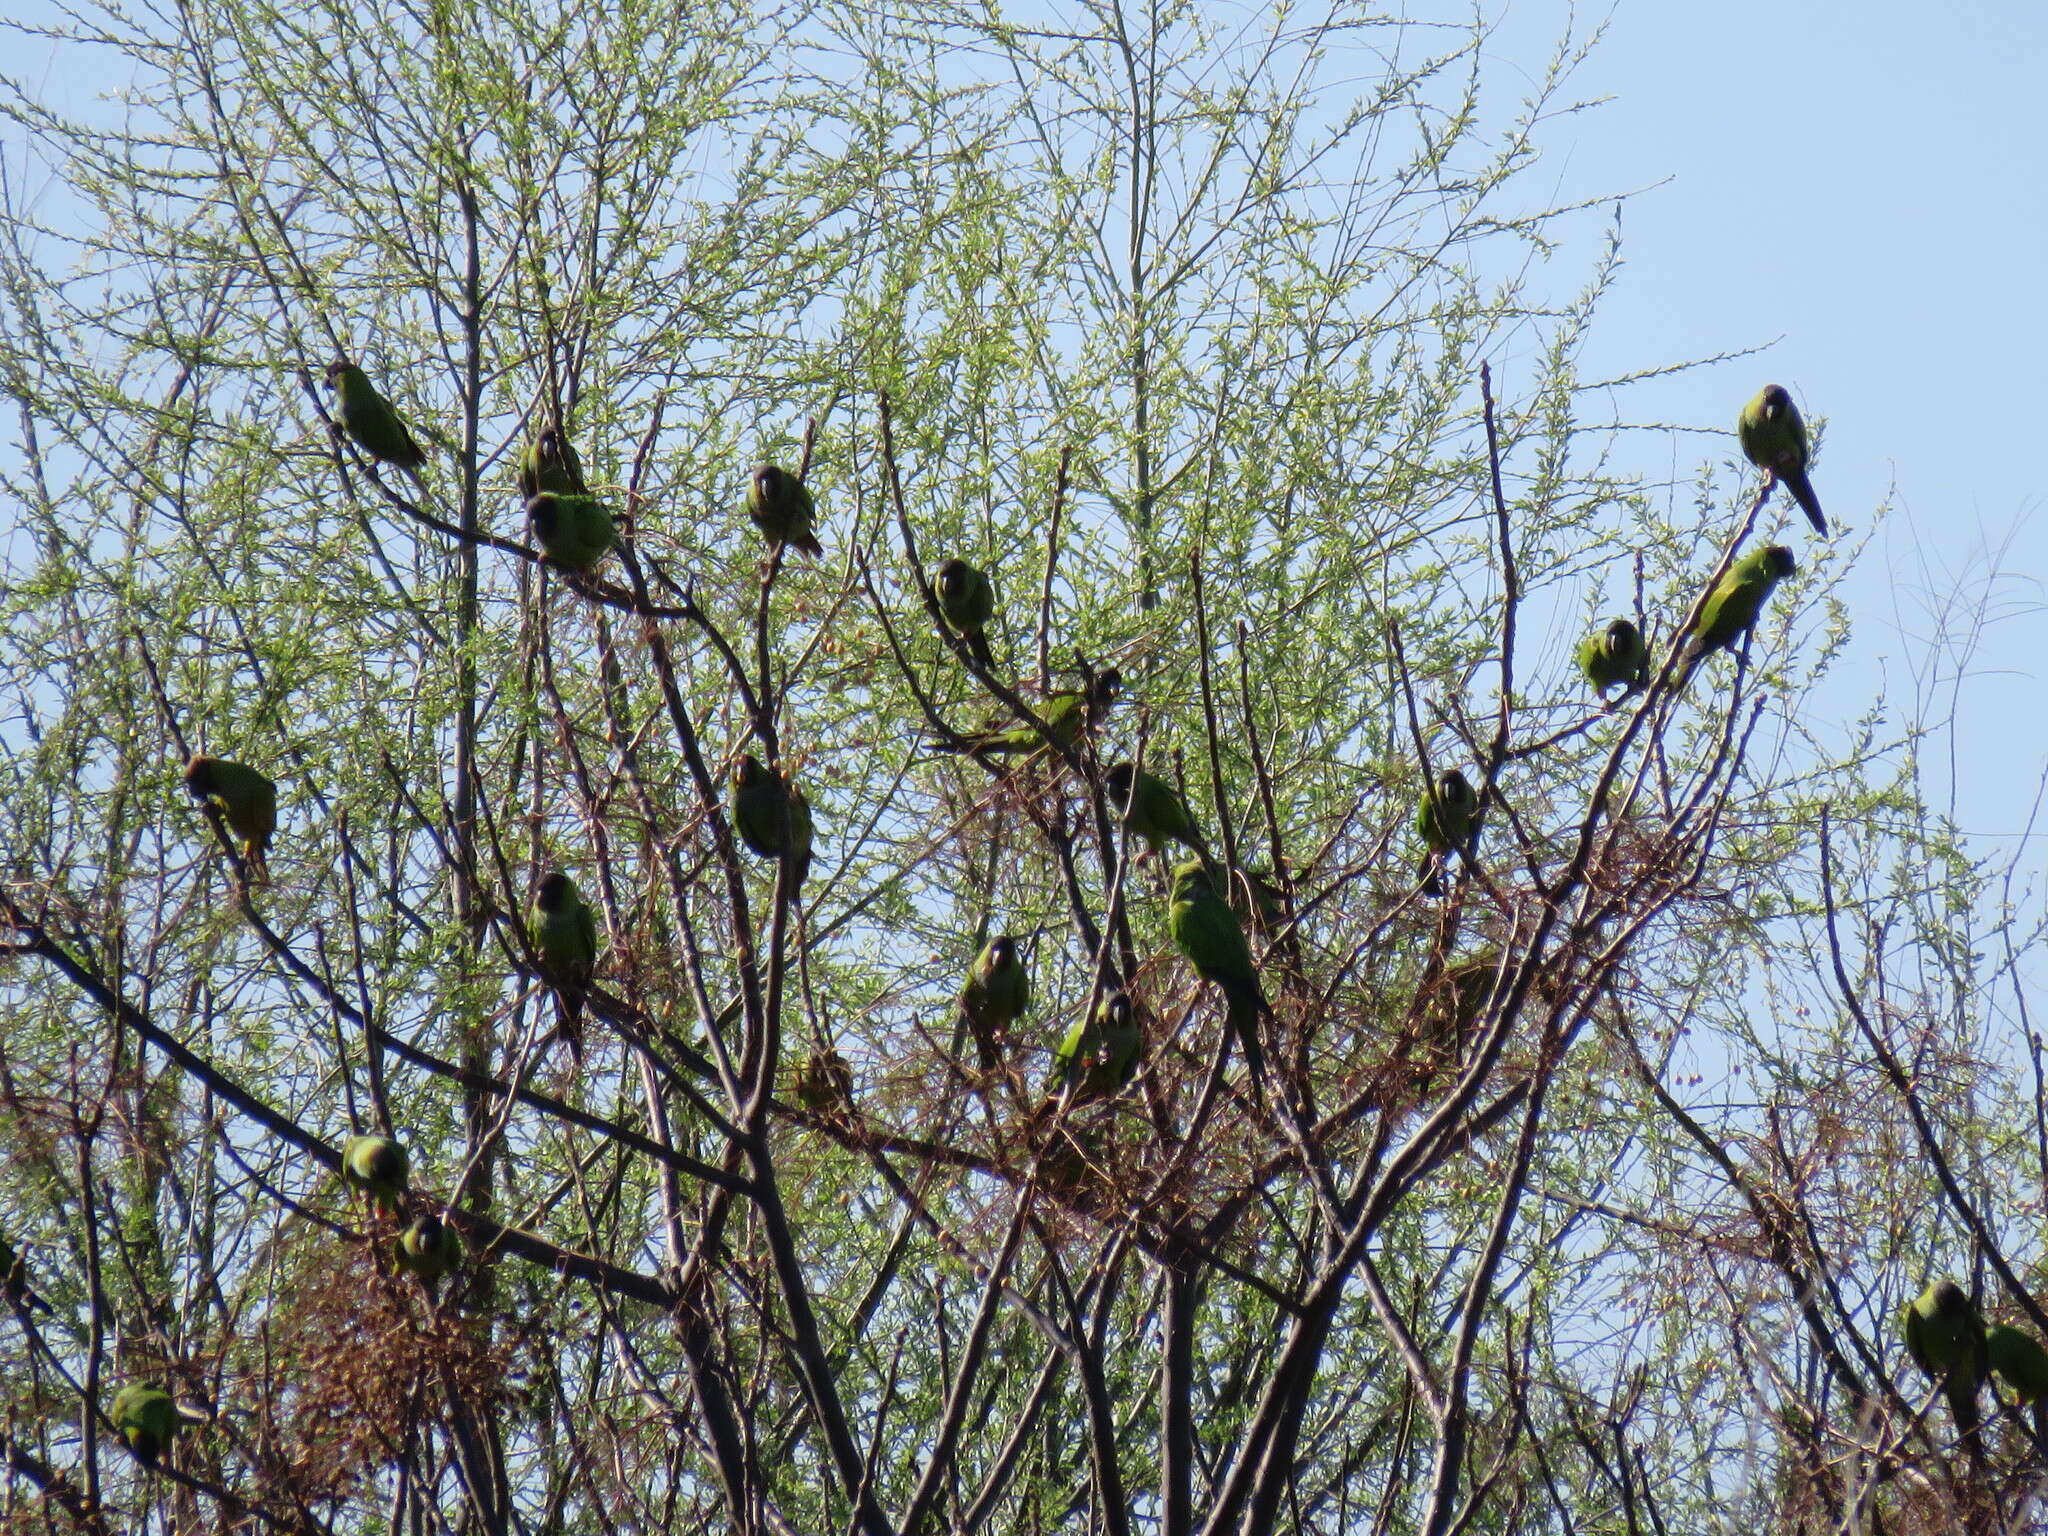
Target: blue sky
[{"x": 1861, "y": 186}]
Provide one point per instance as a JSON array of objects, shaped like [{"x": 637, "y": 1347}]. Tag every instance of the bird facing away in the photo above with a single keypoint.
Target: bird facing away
[
  {"x": 376, "y": 1165},
  {"x": 824, "y": 1083},
  {"x": 1732, "y": 608},
  {"x": 1099, "y": 1055},
  {"x": 994, "y": 996},
  {"x": 146, "y": 1418},
  {"x": 771, "y": 813},
  {"x": 1207, "y": 932},
  {"x": 2018, "y": 1360},
  {"x": 14, "y": 1287},
  {"x": 1616, "y": 655},
  {"x": 1773, "y": 436},
  {"x": 1155, "y": 811},
  {"x": 246, "y": 800},
  {"x": 1067, "y": 714},
  {"x": 369, "y": 421},
  {"x": 968, "y": 600},
  {"x": 1945, "y": 1337},
  {"x": 781, "y": 507},
  {"x": 549, "y": 463},
  {"x": 564, "y": 932},
  {"x": 427, "y": 1249},
  {"x": 573, "y": 531}
]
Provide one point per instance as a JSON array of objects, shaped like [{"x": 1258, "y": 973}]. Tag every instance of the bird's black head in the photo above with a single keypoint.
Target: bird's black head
[
  {"x": 426, "y": 1231},
  {"x": 1779, "y": 562},
  {"x": 1118, "y": 782},
  {"x": 1453, "y": 788},
  {"x": 747, "y": 772},
  {"x": 554, "y": 892},
  {"x": 336, "y": 370},
  {"x": 545, "y": 513},
  {"x": 952, "y": 579},
  {"x": 1002, "y": 953},
  {"x": 1116, "y": 1009},
  {"x": 768, "y": 482},
  {"x": 1108, "y": 686},
  {"x": 1949, "y": 1300},
  {"x": 550, "y": 442},
  {"x": 1622, "y": 638},
  {"x": 199, "y": 779},
  {"x": 1777, "y": 399}
]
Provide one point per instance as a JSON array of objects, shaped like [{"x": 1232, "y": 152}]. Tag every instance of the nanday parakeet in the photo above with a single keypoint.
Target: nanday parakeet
[
  {"x": 377, "y": 1165},
  {"x": 1099, "y": 1055},
  {"x": 771, "y": 814},
  {"x": 246, "y": 800},
  {"x": 573, "y": 531},
  {"x": 2018, "y": 1360},
  {"x": 427, "y": 1249},
  {"x": 781, "y": 507},
  {"x": 824, "y": 1083},
  {"x": 968, "y": 600},
  {"x": 1773, "y": 436},
  {"x": 14, "y": 1286},
  {"x": 564, "y": 933},
  {"x": 1157, "y": 813},
  {"x": 994, "y": 996},
  {"x": 1732, "y": 608},
  {"x": 370, "y": 422},
  {"x": 1443, "y": 820},
  {"x": 1066, "y": 715},
  {"x": 1945, "y": 1337},
  {"x": 146, "y": 1418},
  {"x": 1207, "y": 932},
  {"x": 549, "y": 463},
  {"x": 1616, "y": 655}
]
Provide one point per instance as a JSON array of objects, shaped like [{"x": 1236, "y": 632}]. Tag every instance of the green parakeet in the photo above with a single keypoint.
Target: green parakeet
[
  {"x": 2019, "y": 1361},
  {"x": 369, "y": 420},
  {"x": 14, "y": 1286},
  {"x": 1945, "y": 1337},
  {"x": 771, "y": 814},
  {"x": 549, "y": 463},
  {"x": 1773, "y": 435},
  {"x": 564, "y": 931},
  {"x": 1066, "y": 715},
  {"x": 1616, "y": 655},
  {"x": 1208, "y": 933},
  {"x": 146, "y": 1417},
  {"x": 427, "y": 1249},
  {"x": 1099, "y": 1055},
  {"x": 968, "y": 599},
  {"x": 1157, "y": 813},
  {"x": 781, "y": 507},
  {"x": 996, "y": 993},
  {"x": 1732, "y": 608},
  {"x": 1443, "y": 820},
  {"x": 377, "y": 1166},
  {"x": 246, "y": 800},
  {"x": 824, "y": 1083},
  {"x": 573, "y": 531}
]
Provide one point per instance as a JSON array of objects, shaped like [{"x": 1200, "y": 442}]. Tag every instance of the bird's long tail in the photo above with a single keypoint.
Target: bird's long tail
[
  {"x": 977, "y": 645},
  {"x": 1961, "y": 1392},
  {"x": 1802, "y": 492},
  {"x": 1245, "y": 1003}
]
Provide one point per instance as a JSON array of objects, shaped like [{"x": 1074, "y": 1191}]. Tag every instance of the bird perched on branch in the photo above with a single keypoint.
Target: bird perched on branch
[
  {"x": 1945, "y": 1336},
  {"x": 1153, "y": 809},
  {"x": 145, "y": 1416},
  {"x": 2018, "y": 1360},
  {"x": 370, "y": 422},
  {"x": 1443, "y": 820},
  {"x": 246, "y": 800},
  {"x": 427, "y": 1249},
  {"x": 781, "y": 507},
  {"x": 1207, "y": 932},
  {"x": 549, "y": 463},
  {"x": 824, "y": 1083},
  {"x": 968, "y": 600},
  {"x": 1773, "y": 436},
  {"x": 1099, "y": 1055},
  {"x": 995, "y": 995},
  {"x": 564, "y": 934},
  {"x": 1732, "y": 608},
  {"x": 376, "y": 1165},
  {"x": 1067, "y": 715},
  {"x": 574, "y": 531},
  {"x": 771, "y": 814},
  {"x": 14, "y": 1286},
  {"x": 1616, "y": 655}
]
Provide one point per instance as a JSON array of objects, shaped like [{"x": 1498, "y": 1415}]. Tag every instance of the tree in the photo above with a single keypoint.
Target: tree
[{"x": 1196, "y": 364}]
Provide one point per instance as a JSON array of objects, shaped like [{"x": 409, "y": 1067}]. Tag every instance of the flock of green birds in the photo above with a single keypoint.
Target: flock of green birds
[{"x": 1101, "y": 1053}]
